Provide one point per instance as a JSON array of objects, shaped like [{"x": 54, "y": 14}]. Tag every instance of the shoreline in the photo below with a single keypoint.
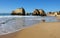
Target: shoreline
[{"x": 39, "y": 30}]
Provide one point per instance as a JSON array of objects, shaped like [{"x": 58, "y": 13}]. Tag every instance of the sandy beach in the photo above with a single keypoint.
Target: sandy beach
[{"x": 40, "y": 30}]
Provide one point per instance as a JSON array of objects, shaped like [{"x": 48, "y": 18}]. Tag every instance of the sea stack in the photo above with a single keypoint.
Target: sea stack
[
  {"x": 19, "y": 11},
  {"x": 39, "y": 12}
]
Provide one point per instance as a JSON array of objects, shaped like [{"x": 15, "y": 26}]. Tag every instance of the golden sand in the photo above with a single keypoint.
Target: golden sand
[{"x": 41, "y": 30}]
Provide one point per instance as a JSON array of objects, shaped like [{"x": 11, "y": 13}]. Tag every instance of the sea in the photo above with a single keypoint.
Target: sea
[{"x": 13, "y": 23}]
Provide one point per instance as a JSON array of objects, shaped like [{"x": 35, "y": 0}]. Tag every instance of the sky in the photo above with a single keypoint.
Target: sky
[{"x": 7, "y": 6}]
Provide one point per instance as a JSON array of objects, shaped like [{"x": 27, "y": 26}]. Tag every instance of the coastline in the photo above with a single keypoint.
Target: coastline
[{"x": 40, "y": 30}]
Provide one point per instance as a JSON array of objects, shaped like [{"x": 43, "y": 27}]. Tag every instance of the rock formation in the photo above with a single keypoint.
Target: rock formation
[
  {"x": 19, "y": 11},
  {"x": 42, "y": 12},
  {"x": 39, "y": 12},
  {"x": 36, "y": 12},
  {"x": 58, "y": 13},
  {"x": 53, "y": 14}
]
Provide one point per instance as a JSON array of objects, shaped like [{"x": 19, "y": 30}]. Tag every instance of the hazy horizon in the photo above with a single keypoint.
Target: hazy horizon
[{"x": 7, "y": 6}]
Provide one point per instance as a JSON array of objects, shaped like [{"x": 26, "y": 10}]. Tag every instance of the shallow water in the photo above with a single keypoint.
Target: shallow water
[{"x": 11, "y": 24}]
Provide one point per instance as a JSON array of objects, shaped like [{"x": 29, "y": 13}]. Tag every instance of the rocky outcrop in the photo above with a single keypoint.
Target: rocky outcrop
[
  {"x": 39, "y": 12},
  {"x": 42, "y": 12},
  {"x": 53, "y": 14},
  {"x": 58, "y": 13},
  {"x": 19, "y": 11},
  {"x": 36, "y": 12}
]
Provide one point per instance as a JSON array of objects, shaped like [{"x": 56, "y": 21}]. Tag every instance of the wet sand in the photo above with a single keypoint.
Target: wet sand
[{"x": 40, "y": 30}]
